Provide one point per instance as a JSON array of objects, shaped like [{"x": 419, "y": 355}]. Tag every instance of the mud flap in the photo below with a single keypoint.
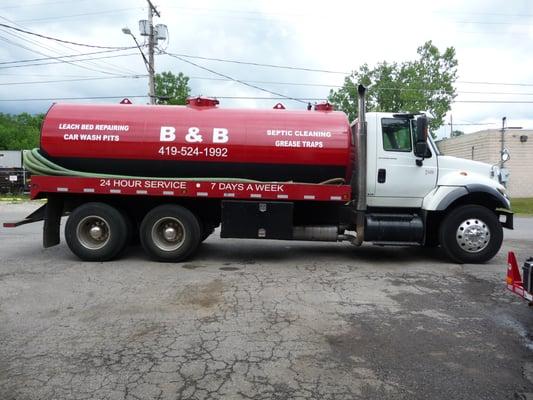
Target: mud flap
[{"x": 52, "y": 221}]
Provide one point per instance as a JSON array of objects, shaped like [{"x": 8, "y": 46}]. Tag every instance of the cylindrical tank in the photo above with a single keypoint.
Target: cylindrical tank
[{"x": 199, "y": 140}]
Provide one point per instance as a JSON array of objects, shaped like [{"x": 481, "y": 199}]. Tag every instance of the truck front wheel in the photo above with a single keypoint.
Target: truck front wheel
[
  {"x": 471, "y": 234},
  {"x": 170, "y": 233},
  {"x": 96, "y": 232}
]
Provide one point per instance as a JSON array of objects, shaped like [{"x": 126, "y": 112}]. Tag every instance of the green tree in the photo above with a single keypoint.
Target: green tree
[
  {"x": 425, "y": 84},
  {"x": 172, "y": 89},
  {"x": 20, "y": 132}
]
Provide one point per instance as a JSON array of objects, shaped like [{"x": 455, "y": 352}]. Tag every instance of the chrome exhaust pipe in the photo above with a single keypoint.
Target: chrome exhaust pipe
[{"x": 361, "y": 166}]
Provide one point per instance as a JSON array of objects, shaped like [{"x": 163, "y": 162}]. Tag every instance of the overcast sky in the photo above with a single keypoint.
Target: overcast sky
[{"x": 492, "y": 39}]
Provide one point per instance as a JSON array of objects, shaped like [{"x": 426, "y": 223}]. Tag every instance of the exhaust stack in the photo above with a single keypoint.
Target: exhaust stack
[
  {"x": 359, "y": 182},
  {"x": 361, "y": 151}
]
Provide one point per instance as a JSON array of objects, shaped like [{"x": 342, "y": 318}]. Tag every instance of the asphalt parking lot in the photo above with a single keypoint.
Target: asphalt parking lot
[{"x": 260, "y": 320}]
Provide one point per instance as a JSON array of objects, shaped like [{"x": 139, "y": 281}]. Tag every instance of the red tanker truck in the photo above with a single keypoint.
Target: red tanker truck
[{"x": 172, "y": 174}]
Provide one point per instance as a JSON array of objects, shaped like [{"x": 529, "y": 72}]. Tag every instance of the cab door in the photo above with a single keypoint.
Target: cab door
[{"x": 400, "y": 182}]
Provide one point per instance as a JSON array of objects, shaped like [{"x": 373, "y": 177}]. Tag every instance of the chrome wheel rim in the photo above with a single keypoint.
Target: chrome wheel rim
[
  {"x": 93, "y": 232},
  {"x": 168, "y": 234},
  {"x": 473, "y": 235}
]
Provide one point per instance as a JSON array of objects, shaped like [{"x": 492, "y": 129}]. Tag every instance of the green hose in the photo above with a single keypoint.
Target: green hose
[{"x": 37, "y": 164}]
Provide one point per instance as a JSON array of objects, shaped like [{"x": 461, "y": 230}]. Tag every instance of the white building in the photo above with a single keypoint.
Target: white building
[{"x": 485, "y": 146}]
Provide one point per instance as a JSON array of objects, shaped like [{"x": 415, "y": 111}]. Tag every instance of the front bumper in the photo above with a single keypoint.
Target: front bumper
[{"x": 506, "y": 218}]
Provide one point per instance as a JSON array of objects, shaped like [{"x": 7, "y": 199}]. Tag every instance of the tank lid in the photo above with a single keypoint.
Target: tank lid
[
  {"x": 202, "y": 102},
  {"x": 325, "y": 106}
]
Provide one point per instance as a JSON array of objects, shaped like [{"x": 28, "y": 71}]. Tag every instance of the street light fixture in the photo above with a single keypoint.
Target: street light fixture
[
  {"x": 504, "y": 153},
  {"x": 127, "y": 31},
  {"x": 149, "y": 68}
]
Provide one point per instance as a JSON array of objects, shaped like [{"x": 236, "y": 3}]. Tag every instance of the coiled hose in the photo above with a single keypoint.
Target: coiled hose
[{"x": 37, "y": 164}]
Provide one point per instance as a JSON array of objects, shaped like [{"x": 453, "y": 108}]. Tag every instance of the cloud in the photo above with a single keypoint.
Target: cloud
[{"x": 492, "y": 46}]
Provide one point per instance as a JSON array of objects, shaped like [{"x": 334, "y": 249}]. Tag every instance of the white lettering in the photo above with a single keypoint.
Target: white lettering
[
  {"x": 288, "y": 143},
  {"x": 220, "y": 135},
  {"x": 69, "y": 126},
  {"x": 193, "y": 136},
  {"x": 168, "y": 134}
]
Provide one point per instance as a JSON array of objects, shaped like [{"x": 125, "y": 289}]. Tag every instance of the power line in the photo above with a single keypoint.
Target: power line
[
  {"x": 73, "y": 80},
  {"x": 233, "y": 79},
  {"x": 76, "y": 98},
  {"x": 60, "y": 57},
  {"x": 114, "y": 11},
  {"x": 91, "y": 66},
  {"x": 47, "y": 3},
  {"x": 48, "y": 75},
  {"x": 67, "y": 61},
  {"x": 282, "y": 97},
  {"x": 94, "y": 66},
  {"x": 60, "y": 40},
  {"x": 321, "y": 98},
  {"x": 471, "y": 124},
  {"x": 176, "y": 55},
  {"x": 300, "y": 99},
  {"x": 495, "y": 83},
  {"x": 333, "y": 86},
  {"x": 495, "y": 101},
  {"x": 98, "y": 64},
  {"x": 268, "y": 82},
  {"x": 493, "y": 23},
  {"x": 41, "y": 53}
]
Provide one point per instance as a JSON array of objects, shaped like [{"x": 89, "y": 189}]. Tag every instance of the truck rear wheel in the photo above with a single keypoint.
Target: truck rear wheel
[
  {"x": 471, "y": 234},
  {"x": 170, "y": 233},
  {"x": 96, "y": 232}
]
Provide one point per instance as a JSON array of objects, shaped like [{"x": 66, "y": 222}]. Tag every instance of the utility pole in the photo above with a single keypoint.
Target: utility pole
[
  {"x": 502, "y": 142},
  {"x": 451, "y": 125},
  {"x": 151, "y": 46},
  {"x": 154, "y": 33}
]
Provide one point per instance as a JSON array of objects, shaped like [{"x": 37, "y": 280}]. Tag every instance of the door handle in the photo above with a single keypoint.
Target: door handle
[{"x": 382, "y": 175}]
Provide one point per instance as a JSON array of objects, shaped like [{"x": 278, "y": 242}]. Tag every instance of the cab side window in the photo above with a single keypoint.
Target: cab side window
[{"x": 396, "y": 134}]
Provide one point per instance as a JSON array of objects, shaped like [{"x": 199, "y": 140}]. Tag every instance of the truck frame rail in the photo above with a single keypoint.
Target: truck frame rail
[{"x": 192, "y": 188}]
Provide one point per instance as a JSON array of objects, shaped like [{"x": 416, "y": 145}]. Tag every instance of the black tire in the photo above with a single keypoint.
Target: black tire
[
  {"x": 179, "y": 222},
  {"x": 476, "y": 246},
  {"x": 113, "y": 232}
]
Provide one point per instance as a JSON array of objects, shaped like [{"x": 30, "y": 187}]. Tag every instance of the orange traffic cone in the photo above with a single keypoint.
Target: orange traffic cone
[{"x": 513, "y": 273}]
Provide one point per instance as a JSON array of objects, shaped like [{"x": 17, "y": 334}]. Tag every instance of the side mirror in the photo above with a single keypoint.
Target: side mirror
[
  {"x": 421, "y": 149},
  {"x": 422, "y": 129},
  {"x": 421, "y": 145}
]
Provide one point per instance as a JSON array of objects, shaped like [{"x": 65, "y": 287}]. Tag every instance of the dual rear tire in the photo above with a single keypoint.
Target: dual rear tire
[
  {"x": 100, "y": 232},
  {"x": 97, "y": 232},
  {"x": 170, "y": 233}
]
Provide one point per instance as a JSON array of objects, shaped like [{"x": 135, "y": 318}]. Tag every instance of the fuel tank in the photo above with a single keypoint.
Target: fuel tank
[{"x": 199, "y": 140}]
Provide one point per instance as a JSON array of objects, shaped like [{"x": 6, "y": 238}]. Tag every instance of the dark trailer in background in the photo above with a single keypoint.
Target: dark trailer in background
[{"x": 12, "y": 174}]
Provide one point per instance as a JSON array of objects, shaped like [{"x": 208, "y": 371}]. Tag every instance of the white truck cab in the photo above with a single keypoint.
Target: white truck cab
[{"x": 462, "y": 205}]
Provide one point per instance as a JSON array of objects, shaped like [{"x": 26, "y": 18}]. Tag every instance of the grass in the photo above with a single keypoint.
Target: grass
[
  {"x": 13, "y": 198},
  {"x": 522, "y": 205}
]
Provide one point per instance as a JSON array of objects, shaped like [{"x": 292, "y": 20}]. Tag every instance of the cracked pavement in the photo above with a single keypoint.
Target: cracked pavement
[{"x": 249, "y": 319}]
